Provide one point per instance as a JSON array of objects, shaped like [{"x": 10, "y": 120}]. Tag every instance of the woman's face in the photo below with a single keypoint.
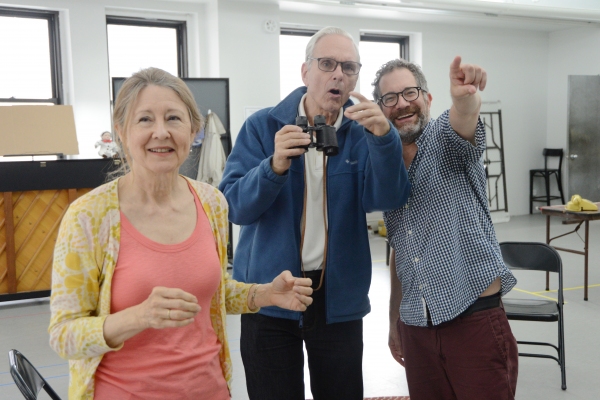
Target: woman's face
[{"x": 159, "y": 133}]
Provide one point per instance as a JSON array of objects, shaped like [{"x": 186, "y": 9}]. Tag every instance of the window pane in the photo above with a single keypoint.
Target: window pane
[
  {"x": 25, "y": 70},
  {"x": 372, "y": 56},
  {"x": 291, "y": 56},
  {"x": 131, "y": 48}
]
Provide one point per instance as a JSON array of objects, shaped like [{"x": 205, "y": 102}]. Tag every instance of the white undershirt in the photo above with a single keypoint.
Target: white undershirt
[{"x": 314, "y": 234}]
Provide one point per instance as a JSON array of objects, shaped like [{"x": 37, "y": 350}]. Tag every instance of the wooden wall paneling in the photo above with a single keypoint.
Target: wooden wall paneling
[
  {"x": 36, "y": 223},
  {"x": 9, "y": 250},
  {"x": 3, "y": 269},
  {"x": 18, "y": 215},
  {"x": 37, "y": 238},
  {"x": 72, "y": 195}
]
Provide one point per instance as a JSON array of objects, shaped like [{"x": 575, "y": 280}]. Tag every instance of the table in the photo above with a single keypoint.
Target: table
[{"x": 576, "y": 217}]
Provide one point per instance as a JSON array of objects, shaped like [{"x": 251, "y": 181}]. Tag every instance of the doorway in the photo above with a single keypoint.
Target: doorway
[{"x": 584, "y": 136}]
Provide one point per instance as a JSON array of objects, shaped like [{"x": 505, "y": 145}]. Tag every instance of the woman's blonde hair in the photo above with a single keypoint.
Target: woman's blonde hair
[{"x": 128, "y": 94}]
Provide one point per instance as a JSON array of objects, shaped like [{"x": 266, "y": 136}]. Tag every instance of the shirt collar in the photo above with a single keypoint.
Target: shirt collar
[{"x": 302, "y": 112}]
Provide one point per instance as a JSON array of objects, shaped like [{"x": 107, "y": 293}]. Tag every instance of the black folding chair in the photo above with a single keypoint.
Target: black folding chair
[
  {"x": 27, "y": 378},
  {"x": 537, "y": 257}
]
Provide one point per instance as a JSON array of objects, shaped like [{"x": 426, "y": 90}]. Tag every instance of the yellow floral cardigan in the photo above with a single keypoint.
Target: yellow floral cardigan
[{"x": 85, "y": 255}]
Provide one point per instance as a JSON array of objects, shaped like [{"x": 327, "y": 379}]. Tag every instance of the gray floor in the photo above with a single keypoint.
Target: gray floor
[{"x": 23, "y": 327}]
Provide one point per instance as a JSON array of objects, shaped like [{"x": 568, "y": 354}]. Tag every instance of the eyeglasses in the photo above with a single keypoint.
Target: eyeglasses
[
  {"x": 329, "y": 65},
  {"x": 408, "y": 94}
]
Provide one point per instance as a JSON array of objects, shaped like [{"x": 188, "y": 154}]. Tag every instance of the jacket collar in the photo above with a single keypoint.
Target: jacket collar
[{"x": 287, "y": 109}]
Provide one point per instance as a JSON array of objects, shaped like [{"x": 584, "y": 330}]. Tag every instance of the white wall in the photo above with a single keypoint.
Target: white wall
[
  {"x": 249, "y": 57},
  {"x": 527, "y": 69}
]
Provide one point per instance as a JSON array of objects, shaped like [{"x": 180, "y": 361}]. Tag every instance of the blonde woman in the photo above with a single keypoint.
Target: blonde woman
[{"x": 140, "y": 288}]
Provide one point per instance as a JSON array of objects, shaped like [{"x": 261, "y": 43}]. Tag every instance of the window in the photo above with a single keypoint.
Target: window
[
  {"x": 30, "y": 71},
  {"x": 137, "y": 43},
  {"x": 376, "y": 50},
  {"x": 292, "y": 53}
]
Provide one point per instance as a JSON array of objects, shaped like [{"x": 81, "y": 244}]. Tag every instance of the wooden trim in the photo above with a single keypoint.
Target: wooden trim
[
  {"x": 72, "y": 195},
  {"x": 9, "y": 227}
]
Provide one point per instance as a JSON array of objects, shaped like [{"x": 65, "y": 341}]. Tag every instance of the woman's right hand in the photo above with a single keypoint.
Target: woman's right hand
[
  {"x": 164, "y": 308},
  {"x": 168, "y": 308}
]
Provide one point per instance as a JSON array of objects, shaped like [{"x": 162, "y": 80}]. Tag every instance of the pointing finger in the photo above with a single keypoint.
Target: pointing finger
[
  {"x": 359, "y": 96},
  {"x": 455, "y": 65}
]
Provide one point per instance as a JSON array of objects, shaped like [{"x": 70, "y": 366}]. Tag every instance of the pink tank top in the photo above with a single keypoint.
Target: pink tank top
[{"x": 172, "y": 363}]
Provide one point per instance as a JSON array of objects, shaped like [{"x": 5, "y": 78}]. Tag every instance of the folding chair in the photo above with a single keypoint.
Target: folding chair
[
  {"x": 537, "y": 257},
  {"x": 27, "y": 378}
]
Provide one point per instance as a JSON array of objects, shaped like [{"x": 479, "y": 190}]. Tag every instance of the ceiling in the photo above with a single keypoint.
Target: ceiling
[{"x": 538, "y": 15}]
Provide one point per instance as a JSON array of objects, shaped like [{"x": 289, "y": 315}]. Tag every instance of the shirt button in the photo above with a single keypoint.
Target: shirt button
[
  {"x": 416, "y": 259},
  {"x": 410, "y": 232},
  {"x": 406, "y": 206},
  {"x": 420, "y": 286}
]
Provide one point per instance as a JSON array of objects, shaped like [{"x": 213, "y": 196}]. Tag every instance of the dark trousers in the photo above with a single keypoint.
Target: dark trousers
[
  {"x": 273, "y": 355},
  {"x": 472, "y": 357}
]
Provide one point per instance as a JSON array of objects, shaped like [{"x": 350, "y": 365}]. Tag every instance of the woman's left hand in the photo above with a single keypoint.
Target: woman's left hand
[{"x": 286, "y": 291}]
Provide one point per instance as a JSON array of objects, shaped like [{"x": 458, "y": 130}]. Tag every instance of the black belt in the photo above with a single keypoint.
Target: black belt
[{"x": 482, "y": 303}]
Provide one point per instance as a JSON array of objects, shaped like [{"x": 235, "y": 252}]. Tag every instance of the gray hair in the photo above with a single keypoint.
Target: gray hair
[
  {"x": 329, "y": 30},
  {"x": 129, "y": 93},
  {"x": 399, "y": 63}
]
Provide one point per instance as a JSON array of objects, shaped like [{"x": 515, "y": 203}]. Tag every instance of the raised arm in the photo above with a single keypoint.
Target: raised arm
[
  {"x": 386, "y": 180},
  {"x": 465, "y": 81}
]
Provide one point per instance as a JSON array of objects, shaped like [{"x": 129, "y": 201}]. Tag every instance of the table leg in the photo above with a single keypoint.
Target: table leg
[
  {"x": 585, "y": 250},
  {"x": 548, "y": 243}
]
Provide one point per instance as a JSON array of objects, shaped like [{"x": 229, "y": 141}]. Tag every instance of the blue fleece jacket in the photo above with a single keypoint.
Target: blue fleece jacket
[{"x": 367, "y": 175}]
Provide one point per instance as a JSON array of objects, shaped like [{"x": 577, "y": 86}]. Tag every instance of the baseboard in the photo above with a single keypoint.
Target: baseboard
[{"x": 500, "y": 216}]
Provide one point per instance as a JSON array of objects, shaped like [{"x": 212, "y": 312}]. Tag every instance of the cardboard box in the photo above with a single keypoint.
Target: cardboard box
[{"x": 37, "y": 130}]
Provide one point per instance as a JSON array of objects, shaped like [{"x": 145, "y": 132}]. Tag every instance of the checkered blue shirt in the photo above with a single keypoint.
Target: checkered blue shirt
[{"x": 446, "y": 248}]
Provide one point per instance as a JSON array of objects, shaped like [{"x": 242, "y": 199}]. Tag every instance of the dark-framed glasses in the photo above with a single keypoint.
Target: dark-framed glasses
[
  {"x": 408, "y": 94},
  {"x": 329, "y": 65}
]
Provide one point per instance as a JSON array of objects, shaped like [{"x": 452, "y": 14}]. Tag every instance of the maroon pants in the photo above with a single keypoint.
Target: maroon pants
[{"x": 473, "y": 357}]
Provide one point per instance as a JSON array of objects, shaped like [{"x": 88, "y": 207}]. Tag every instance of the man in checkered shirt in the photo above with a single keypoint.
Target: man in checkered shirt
[{"x": 447, "y": 324}]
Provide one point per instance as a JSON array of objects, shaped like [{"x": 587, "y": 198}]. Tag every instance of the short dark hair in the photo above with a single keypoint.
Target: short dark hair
[{"x": 392, "y": 65}]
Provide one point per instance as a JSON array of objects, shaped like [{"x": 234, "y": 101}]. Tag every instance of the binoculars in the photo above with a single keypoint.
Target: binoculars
[{"x": 324, "y": 139}]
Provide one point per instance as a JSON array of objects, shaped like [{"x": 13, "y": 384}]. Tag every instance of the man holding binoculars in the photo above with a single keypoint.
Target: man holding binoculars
[{"x": 306, "y": 212}]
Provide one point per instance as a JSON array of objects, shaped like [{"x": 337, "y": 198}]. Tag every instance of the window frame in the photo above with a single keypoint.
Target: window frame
[
  {"x": 55, "y": 52},
  {"x": 180, "y": 29},
  {"x": 402, "y": 40},
  {"x": 297, "y": 31}
]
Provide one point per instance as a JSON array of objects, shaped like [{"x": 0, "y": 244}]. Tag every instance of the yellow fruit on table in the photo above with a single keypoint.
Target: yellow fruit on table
[{"x": 579, "y": 204}]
